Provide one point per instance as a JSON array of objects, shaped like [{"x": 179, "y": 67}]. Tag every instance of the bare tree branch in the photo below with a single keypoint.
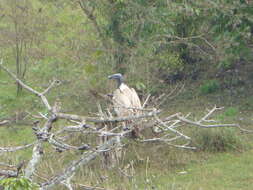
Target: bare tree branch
[
  {"x": 87, "y": 187},
  {"x": 13, "y": 171},
  {"x": 41, "y": 95},
  {"x": 171, "y": 129},
  {"x": 65, "y": 146},
  {"x": 104, "y": 125},
  {"x": 8, "y": 173},
  {"x": 50, "y": 86},
  {"x": 109, "y": 120},
  {"x": 14, "y": 149},
  {"x": 205, "y": 125},
  {"x": 36, "y": 156},
  {"x": 4, "y": 122},
  {"x": 93, "y": 19},
  {"x": 84, "y": 160}
]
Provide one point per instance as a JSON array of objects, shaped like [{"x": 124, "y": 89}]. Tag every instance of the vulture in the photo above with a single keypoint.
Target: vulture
[{"x": 125, "y": 100}]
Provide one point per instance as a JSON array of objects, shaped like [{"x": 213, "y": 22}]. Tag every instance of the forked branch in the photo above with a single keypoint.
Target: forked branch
[{"x": 170, "y": 131}]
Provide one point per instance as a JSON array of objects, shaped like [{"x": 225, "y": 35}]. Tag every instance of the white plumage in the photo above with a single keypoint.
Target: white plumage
[{"x": 126, "y": 102}]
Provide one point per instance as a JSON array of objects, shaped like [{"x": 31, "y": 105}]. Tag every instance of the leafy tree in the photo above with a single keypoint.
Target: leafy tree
[{"x": 229, "y": 27}]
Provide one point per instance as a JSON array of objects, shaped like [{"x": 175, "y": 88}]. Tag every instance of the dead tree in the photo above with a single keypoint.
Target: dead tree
[{"x": 169, "y": 130}]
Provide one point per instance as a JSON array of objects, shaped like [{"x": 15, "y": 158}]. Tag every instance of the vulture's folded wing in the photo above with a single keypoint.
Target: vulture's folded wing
[
  {"x": 121, "y": 103},
  {"x": 135, "y": 100}
]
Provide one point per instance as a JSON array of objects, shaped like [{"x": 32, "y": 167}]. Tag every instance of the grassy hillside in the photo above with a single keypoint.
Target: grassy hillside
[
  {"x": 222, "y": 160},
  {"x": 162, "y": 167},
  {"x": 202, "y": 49}
]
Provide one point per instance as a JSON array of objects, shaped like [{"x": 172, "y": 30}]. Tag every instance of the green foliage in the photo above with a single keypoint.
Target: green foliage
[
  {"x": 218, "y": 140},
  {"x": 226, "y": 63},
  {"x": 231, "y": 112},
  {"x": 248, "y": 104},
  {"x": 18, "y": 184},
  {"x": 232, "y": 29},
  {"x": 210, "y": 86},
  {"x": 169, "y": 63},
  {"x": 140, "y": 86},
  {"x": 170, "y": 38}
]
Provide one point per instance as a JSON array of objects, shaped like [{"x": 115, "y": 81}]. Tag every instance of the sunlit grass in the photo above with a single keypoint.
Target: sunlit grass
[
  {"x": 221, "y": 171},
  {"x": 16, "y": 136}
]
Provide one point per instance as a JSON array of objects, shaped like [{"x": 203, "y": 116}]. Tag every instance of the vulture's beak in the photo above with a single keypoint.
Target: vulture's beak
[{"x": 115, "y": 76}]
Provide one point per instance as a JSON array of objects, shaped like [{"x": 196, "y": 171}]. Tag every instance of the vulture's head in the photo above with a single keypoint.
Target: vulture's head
[{"x": 118, "y": 77}]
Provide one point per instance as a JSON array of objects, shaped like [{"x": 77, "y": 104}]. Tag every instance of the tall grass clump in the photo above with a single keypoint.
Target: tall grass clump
[
  {"x": 218, "y": 140},
  {"x": 248, "y": 104},
  {"x": 229, "y": 113},
  {"x": 209, "y": 87}
]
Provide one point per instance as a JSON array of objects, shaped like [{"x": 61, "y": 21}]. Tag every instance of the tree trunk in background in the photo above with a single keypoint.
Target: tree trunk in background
[
  {"x": 20, "y": 62},
  {"x": 18, "y": 52},
  {"x": 20, "y": 34}
]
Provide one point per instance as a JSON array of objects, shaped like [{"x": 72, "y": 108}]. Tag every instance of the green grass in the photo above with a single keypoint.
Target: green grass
[
  {"x": 229, "y": 113},
  {"x": 16, "y": 136},
  {"x": 156, "y": 167},
  {"x": 219, "y": 140},
  {"x": 223, "y": 171}
]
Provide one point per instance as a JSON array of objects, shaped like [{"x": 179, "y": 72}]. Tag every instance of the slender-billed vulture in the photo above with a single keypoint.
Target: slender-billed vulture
[{"x": 126, "y": 101}]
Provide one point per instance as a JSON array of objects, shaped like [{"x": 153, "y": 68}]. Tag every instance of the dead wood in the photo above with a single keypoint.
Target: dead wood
[{"x": 168, "y": 130}]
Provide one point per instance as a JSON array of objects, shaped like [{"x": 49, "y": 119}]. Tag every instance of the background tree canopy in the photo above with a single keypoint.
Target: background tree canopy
[
  {"x": 154, "y": 43},
  {"x": 186, "y": 54}
]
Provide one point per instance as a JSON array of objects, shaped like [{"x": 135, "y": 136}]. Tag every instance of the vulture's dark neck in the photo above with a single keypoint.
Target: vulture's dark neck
[{"x": 119, "y": 81}]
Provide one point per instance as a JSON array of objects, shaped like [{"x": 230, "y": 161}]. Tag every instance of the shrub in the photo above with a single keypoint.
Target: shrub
[
  {"x": 218, "y": 140},
  {"x": 230, "y": 112},
  {"x": 17, "y": 183},
  {"x": 248, "y": 104},
  {"x": 209, "y": 87}
]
